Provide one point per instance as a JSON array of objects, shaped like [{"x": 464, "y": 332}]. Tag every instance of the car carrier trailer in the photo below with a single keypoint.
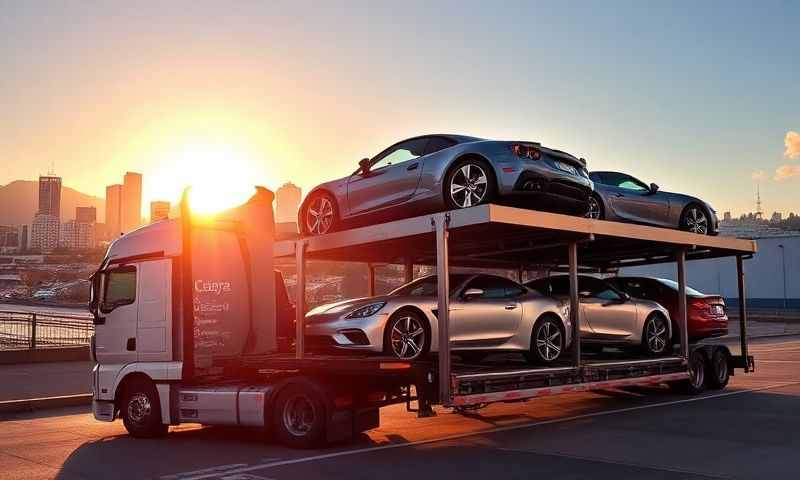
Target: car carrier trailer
[{"x": 196, "y": 342}]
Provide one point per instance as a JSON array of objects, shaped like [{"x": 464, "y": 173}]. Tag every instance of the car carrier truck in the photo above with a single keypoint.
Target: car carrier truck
[{"x": 185, "y": 320}]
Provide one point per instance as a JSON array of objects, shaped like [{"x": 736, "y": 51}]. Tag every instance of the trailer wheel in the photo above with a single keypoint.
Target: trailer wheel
[
  {"x": 696, "y": 383},
  {"x": 719, "y": 372},
  {"x": 299, "y": 420},
  {"x": 141, "y": 411}
]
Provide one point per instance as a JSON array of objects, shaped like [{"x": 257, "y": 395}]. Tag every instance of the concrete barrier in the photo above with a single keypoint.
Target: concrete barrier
[
  {"x": 33, "y": 404},
  {"x": 39, "y": 355}
]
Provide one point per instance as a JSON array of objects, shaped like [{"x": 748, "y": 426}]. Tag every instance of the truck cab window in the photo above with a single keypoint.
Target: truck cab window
[{"x": 120, "y": 288}]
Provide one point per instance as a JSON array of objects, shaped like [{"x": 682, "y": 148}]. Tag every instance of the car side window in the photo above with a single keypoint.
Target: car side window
[
  {"x": 438, "y": 143},
  {"x": 495, "y": 287},
  {"x": 400, "y": 153},
  {"x": 120, "y": 288}
]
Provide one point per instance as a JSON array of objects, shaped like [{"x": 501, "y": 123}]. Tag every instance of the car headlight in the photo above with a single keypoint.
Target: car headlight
[{"x": 366, "y": 310}]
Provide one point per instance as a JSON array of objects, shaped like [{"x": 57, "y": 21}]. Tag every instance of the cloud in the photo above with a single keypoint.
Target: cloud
[
  {"x": 792, "y": 142},
  {"x": 758, "y": 175},
  {"x": 786, "y": 171}
]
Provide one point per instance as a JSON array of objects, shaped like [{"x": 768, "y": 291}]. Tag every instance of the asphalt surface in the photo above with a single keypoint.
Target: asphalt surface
[{"x": 749, "y": 430}]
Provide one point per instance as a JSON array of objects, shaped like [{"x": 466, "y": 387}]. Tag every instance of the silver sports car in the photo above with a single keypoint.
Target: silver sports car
[
  {"x": 612, "y": 317},
  {"x": 487, "y": 312},
  {"x": 442, "y": 172},
  {"x": 621, "y": 197}
]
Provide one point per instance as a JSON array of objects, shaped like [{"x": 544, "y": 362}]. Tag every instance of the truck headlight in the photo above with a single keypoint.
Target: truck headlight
[{"x": 366, "y": 310}]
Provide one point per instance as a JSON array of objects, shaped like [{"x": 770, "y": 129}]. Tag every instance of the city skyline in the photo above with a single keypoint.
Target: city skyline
[{"x": 229, "y": 102}]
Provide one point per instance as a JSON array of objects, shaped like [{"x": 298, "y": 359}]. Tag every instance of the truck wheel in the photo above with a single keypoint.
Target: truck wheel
[
  {"x": 718, "y": 372},
  {"x": 299, "y": 420},
  {"x": 696, "y": 383},
  {"x": 141, "y": 411}
]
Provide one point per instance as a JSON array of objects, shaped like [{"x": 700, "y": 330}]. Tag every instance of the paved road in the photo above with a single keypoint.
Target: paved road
[{"x": 746, "y": 431}]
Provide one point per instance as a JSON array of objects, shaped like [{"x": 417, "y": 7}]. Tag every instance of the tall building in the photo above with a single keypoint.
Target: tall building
[
  {"x": 159, "y": 210},
  {"x": 287, "y": 201},
  {"x": 45, "y": 232},
  {"x": 86, "y": 214},
  {"x": 776, "y": 217},
  {"x": 50, "y": 195},
  {"x": 23, "y": 237},
  {"x": 727, "y": 217},
  {"x": 76, "y": 235},
  {"x": 131, "y": 201},
  {"x": 114, "y": 210}
]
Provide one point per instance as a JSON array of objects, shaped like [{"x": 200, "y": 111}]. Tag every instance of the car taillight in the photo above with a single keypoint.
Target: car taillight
[
  {"x": 526, "y": 151},
  {"x": 699, "y": 305}
]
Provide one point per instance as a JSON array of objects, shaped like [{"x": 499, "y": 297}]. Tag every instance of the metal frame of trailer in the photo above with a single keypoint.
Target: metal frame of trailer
[{"x": 493, "y": 236}]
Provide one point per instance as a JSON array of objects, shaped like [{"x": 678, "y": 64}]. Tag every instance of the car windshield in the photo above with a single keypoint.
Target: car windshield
[{"x": 427, "y": 286}]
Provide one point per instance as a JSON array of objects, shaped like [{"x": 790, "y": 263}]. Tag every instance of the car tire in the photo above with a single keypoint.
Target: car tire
[
  {"x": 695, "y": 219},
  {"x": 141, "y": 411},
  {"x": 547, "y": 341},
  {"x": 718, "y": 372},
  {"x": 696, "y": 383},
  {"x": 320, "y": 215},
  {"x": 405, "y": 328},
  {"x": 299, "y": 420},
  {"x": 595, "y": 208},
  {"x": 655, "y": 340},
  {"x": 479, "y": 172}
]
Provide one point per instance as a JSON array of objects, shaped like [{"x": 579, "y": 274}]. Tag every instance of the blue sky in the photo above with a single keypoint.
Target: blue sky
[{"x": 693, "y": 97}]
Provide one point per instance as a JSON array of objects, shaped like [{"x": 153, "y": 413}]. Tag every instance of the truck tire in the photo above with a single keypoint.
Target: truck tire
[
  {"x": 696, "y": 383},
  {"x": 141, "y": 411},
  {"x": 718, "y": 372},
  {"x": 299, "y": 417}
]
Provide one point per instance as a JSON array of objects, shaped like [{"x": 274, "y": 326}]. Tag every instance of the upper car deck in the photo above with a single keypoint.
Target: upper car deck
[{"x": 505, "y": 237}]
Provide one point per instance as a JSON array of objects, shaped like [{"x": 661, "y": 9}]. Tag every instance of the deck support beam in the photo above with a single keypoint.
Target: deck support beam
[
  {"x": 441, "y": 222},
  {"x": 408, "y": 270},
  {"x": 742, "y": 312},
  {"x": 300, "y": 298},
  {"x": 574, "y": 304},
  {"x": 371, "y": 279},
  {"x": 682, "y": 320}
]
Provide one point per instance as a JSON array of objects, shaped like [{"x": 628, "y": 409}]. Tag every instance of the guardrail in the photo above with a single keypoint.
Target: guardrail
[{"x": 26, "y": 330}]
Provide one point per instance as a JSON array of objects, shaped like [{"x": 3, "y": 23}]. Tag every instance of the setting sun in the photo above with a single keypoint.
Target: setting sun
[{"x": 220, "y": 176}]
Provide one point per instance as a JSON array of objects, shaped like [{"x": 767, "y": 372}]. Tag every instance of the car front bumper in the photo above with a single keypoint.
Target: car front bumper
[{"x": 365, "y": 334}]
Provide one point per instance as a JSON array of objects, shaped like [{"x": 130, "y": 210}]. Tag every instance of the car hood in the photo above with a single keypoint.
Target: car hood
[{"x": 345, "y": 305}]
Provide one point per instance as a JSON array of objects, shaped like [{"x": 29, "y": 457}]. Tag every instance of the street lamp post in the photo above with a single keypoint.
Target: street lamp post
[{"x": 783, "y": 264}]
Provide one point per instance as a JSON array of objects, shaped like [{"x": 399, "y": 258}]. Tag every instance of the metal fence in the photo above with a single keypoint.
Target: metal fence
[{"x": 21, "y": 330}]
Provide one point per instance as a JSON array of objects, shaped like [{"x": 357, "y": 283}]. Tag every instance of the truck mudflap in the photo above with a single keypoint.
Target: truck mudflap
[
  {"x": 104, "y": 410},
  {"x": 343, "y": 425}
]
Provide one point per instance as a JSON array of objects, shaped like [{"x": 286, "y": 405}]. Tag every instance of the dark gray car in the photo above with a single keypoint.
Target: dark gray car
[
  {"x": 622, "y": 197},
  {"x": 442, "y": 172}
]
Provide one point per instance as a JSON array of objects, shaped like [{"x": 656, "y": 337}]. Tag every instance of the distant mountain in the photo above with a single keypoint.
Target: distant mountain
[{"x": 19, "y": 201}]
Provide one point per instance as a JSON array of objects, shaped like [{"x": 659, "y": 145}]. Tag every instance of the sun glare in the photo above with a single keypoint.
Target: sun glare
[{"x": 220, "y": 176}]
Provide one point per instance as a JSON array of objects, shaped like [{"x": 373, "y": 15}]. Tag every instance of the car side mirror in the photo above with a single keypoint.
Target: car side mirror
[
  {"x": 471, "y": 293},
  {"x": 363, "y": 165},
  {"x": 625, "y": 297},
  {"x": 653, "y": 188}
]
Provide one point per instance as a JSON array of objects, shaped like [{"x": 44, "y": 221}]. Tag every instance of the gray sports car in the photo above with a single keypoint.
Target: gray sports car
[
  {"x": 621, "y": 197},
  {"x": 441, "y": 172},
  {"x": 487, "y": 313}
]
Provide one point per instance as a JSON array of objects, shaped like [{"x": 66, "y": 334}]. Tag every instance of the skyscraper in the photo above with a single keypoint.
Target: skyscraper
[
  {"x": 114, "y": 210},
  {"x": 50, "y": 195},
  {"x": 159, "y": 210},
  {"x": 45, "y": 234},
  {"x": 131, "y": 201},
  {"x": 287, "y": 201}
]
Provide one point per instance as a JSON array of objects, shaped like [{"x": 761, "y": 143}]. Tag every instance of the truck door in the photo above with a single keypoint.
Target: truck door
[
  {"x": 153, "y": 334},
  {"x": 115, "y": 333}
]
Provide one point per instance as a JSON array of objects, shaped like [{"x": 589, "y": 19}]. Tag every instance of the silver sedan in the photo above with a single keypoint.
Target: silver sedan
[
  {"x": 612, "y": 317},
  {"x": 487, "y": 313}
]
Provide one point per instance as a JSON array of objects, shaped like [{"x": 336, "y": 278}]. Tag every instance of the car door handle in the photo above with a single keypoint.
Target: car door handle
[
  {"x": 413, "y": 166},
  {"x": 510, "y": 307}
]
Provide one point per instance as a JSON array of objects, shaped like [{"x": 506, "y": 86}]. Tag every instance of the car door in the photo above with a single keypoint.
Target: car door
[
  {"x": 558, "y": 287},
  {"x": 632, "y": 200},
  {"x": 610, "y": 314},
  {"x": 392, "y": 178},
  {"x": 489, "y": 319},
  {"x": 118, "y": 316}
]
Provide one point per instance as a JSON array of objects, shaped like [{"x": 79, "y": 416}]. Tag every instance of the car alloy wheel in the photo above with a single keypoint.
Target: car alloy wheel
[
  {"x": 594, "y": 208},
  {"x": 696, "y": 221},
  {"x": 469, "y": 185},
  {"x": 549, "y": 340},
  {"x": 407, "y": 337},
  {"x": 319, "y": 215},
  {"x": 656, "y": 335}
]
